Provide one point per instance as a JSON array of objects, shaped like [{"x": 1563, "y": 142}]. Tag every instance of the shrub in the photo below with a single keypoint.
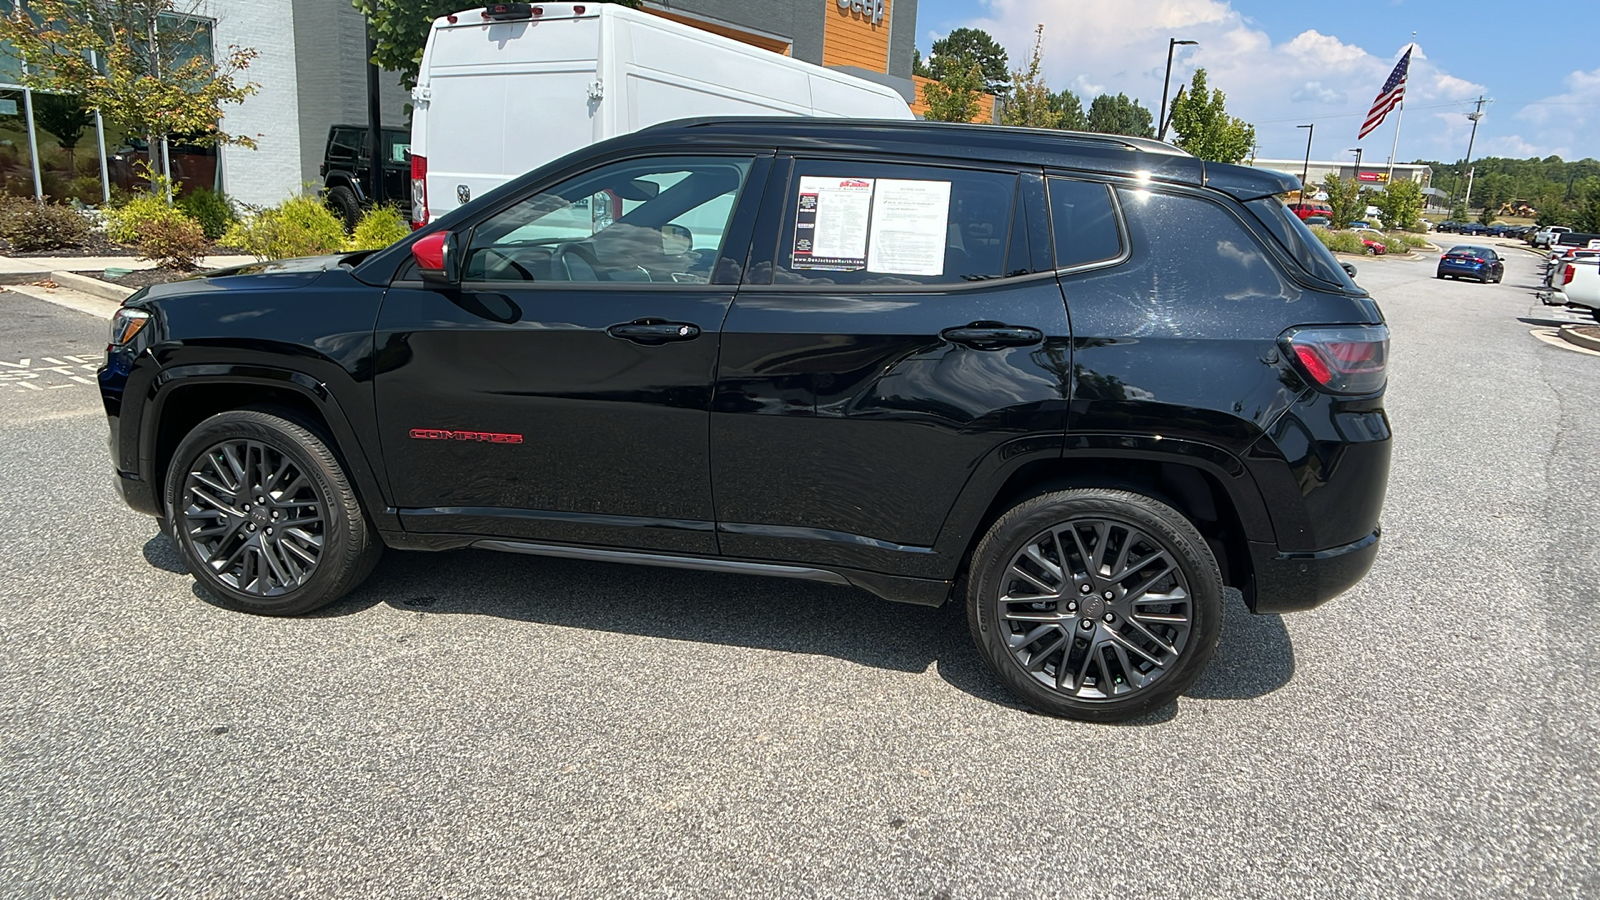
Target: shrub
[
  {"x": 126, "y": 223},
  {"x": 379, "y": 227},
  {"x": 1411, "y": 241},
  {"x": 211, "y": 209},
  {"x": 31, "y": 226},
  {"x": 174, "y": 243},
  {"x": 1339, "y": 241},
  {"x": 299, "y": 226},
  {"x": 1394, "y": 244}
]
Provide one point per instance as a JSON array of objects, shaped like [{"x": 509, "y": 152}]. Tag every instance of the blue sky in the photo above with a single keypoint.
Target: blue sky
[{"x": 1283, "y": 63}]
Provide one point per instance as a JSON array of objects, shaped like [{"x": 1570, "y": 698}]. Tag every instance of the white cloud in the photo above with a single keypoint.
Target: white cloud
[{"x": 1094, "y": 45}]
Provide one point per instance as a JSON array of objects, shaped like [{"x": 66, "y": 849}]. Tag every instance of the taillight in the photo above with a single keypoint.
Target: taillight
[
  {"x": 1341, "y": 360},
  {"x": 419, "y": 191},
  {"x": 1566, "y": 277}
]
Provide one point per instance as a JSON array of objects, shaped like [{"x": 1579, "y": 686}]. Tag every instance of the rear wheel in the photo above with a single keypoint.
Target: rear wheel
[
  {"x": 1095, "y": 604},
  {"x": 344, "y": 202},
  {"x": 264, "y": 515}
]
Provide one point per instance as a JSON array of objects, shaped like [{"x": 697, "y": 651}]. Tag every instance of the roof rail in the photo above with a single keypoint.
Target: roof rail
[{"x": 1138, "y": 144}]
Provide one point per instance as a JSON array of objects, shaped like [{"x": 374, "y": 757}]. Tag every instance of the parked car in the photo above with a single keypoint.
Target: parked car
[
  {"x": 1359, "y": 223},
  {"x": 347, "y": 168},
  {"x": 1309, "y": 208},
  {"x": 857, "y": 335},
  {"x": 1376, "y": 242},
  {"x": 1474, "y": 229},
  {"x": 1578, "y": 285},
  {"x": 1546, "y": 236},
  {"x": 514, "y": 86},
  {"x": 1479, "y": 263},
  {"x": 1324, "y": 221},
  {"x": 1560, "y": 256}
]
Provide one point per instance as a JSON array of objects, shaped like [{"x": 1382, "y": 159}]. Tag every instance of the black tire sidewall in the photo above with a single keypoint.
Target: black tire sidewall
[
  {"x": 1007, "y": 537},
  {"x": 342, "y": 548},
  {"x": 344, "y": 202}
]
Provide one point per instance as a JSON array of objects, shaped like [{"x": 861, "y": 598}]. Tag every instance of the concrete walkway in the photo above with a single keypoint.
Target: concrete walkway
[{"x": 47, "y": 264}]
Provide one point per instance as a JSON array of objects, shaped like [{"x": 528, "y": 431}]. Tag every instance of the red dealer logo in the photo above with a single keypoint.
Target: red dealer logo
[{"x": 486, "y": 437}]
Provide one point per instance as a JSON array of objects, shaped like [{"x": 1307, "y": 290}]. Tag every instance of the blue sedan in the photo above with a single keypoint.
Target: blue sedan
[{"x": 1478, "y": 263}]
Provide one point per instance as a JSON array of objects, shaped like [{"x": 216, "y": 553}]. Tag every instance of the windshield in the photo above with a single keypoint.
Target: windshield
[{"x": 1296, "y": 238}]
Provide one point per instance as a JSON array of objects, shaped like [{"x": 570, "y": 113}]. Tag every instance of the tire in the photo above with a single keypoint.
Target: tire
[
  {"x": 1439, "y": 275},
  {"x": 343, "y": 202},
  {"x": 1080, "y": 664},
  {"x": 236, "y": 545},
  {"x": 1594, "y": 313}
]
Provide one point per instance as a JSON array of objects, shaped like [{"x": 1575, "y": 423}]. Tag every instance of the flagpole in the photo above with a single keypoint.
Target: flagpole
[{"x": 1400, "y": 115}]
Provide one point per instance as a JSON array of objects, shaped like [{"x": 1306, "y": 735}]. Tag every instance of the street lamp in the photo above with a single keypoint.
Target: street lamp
[
  {"x": 1357, "y": 177},
  {"x": 1166, "y": 83},
  {"x": 1306, "y": 172}
]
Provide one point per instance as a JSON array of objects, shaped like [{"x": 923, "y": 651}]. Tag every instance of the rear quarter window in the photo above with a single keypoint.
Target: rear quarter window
[{"x": 1083, "y": 223}]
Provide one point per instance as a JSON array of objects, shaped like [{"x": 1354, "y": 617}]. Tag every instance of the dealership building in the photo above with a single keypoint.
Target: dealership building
[
  {"x": 311, "y": 74},
  {"x": 1371, "y": 175}
]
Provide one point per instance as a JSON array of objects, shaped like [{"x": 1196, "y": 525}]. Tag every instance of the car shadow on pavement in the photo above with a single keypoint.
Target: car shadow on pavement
[{"x": 1253, "y": 658}]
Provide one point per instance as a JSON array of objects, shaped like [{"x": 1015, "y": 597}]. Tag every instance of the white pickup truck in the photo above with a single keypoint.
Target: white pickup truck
[{"x": 1576, "y": 283}]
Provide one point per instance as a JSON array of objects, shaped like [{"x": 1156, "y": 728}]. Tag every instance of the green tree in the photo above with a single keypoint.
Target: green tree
[
  {"x": 1067, "y": 105},
  {"x": 401, "y": 28},
  {"x": 1030, "y": 104},
  {"x": 1401, "y": 205},
  {"x": 1120, "y": 115},
  {"x": 963, "y": 48},
  {"x": 953, "y": 98},
  {"x": 1204, "y": 127},
  {"x": 1486, "y": 215},
  {"x": 1344, "y": 198},
  {"x": 1586, "y": 217},
  {"x": 149, "y": 81},
  {"x": 918, "y": 67},
  {"x": 1458, "y": 211}
]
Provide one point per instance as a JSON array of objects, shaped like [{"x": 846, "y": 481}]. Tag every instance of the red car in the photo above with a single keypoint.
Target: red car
[
  {"x": 1306, "y": 210},
  {"x": 1373, "y": 241}
]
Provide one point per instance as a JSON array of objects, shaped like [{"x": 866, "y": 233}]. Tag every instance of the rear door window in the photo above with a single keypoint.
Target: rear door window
[{"x": 883, "y": 224}]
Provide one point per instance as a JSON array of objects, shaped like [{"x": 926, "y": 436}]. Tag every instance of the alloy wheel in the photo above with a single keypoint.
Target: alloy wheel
[
  {"x": 1095, "y": 608},
  {"x": 254, "y": 516}
]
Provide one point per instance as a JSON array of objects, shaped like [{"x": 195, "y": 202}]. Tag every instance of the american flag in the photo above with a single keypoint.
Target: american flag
[{"x": 1394, "y": 91}]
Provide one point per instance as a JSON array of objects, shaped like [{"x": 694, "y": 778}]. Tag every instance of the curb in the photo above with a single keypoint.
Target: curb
[
  {"x": 94, "y": 287},
  {"x": 1572, "y": 335}
]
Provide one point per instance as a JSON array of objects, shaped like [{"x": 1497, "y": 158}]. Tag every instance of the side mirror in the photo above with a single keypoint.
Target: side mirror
[
  {"x": 1349, "y": 269},
  {"x": 676, "y": 240},
  {"x": 438, "y": 259}
]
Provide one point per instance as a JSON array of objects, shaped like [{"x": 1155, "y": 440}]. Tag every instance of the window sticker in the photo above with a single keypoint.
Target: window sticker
[
  {"x": 909, "y": 227},
  {"x": 830, "y": 228}
]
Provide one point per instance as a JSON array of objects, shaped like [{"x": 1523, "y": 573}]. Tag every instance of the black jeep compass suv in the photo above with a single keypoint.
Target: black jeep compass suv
[{"x": 1078, "y": 382}]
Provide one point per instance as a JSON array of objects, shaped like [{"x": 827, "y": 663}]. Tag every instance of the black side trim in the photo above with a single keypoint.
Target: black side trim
[
  {"x": 633, "y": 557},
  {"x": 543, "y": 515},
  {"x": 816, "y": 534}
]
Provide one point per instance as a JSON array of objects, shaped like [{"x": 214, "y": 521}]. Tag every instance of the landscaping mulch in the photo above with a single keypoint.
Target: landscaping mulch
[
  {"x": 139, "y": 278},
  {"x": 93, "y": 244}
]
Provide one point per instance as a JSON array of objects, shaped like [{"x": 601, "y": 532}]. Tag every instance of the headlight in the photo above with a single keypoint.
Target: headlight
[{"x": 125, "y": 324}]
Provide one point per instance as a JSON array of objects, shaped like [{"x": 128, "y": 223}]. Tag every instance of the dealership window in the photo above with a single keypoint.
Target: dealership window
[{"x": 60, "y": 156}]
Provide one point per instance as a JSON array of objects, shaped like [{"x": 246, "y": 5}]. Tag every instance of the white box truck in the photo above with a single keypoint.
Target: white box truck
[{"x": 507, "y": 88}]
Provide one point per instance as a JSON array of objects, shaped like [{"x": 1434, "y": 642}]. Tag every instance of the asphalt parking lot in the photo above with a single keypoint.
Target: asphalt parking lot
[{"x": 480, "y": 725}]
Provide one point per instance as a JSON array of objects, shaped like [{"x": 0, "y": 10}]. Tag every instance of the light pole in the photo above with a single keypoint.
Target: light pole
[
  {"x": 1356, "y": 179},
  {"x": 1166, "y": 83},
  {"x": 1475, "y": 115},
  {"x": 1306, "y": 172}
]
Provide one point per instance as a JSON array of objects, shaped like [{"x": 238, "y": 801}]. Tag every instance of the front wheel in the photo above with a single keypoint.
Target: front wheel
[
  {"x": 264, "y": 516},
  {"x": 1095, "y": 604}
]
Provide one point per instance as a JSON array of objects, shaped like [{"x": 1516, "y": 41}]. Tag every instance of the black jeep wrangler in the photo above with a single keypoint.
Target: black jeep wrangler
[
  {"x": 346, "y": 171},
  {"x": 1077, "y": 382}
]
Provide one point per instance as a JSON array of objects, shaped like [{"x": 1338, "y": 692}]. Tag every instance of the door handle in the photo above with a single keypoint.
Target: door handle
[
  {"x": 992, "y": 335},
  {"x": 654, "y": 331}
]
